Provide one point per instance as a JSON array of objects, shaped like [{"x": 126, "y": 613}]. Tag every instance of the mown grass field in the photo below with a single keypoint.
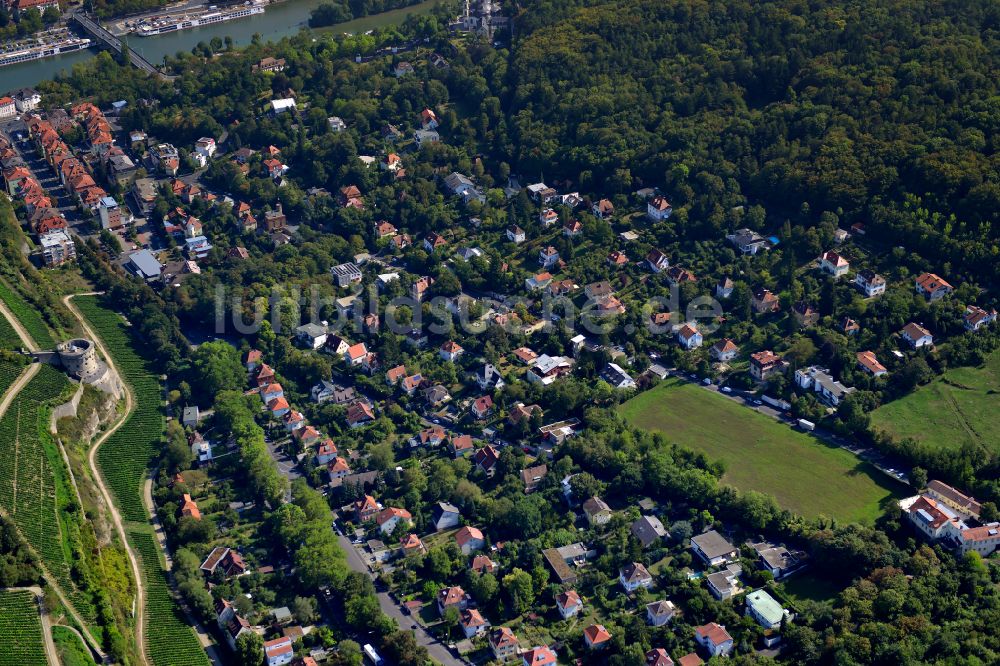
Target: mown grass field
[
  {"x": 804, "y": 474},
  {"x": 952, "y": 412}
]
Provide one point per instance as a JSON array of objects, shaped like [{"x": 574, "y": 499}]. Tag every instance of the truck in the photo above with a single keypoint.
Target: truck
[
  {"x": 775, "y": 402},
  {"x": 808, "y": 426},
  {"x": 372, "y": 655}
]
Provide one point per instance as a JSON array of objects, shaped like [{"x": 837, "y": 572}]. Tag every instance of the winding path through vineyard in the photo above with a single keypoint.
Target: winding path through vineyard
[{"x": 99, "y": 478}]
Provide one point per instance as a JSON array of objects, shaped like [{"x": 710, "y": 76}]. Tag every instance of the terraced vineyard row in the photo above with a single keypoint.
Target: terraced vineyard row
[
  {"x": 20, "y": 630},
  {"x": 31, "y": 472},
  {"x": 169, "y": 639},
  {"x": 125, "y": 457},
  {"x": 8, "y": 336},
  {"x": 9, "y": 373},
  {"x": 28, "y": 316}
]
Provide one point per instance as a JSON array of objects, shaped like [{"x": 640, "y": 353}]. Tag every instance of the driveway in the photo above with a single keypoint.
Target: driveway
[{"x": 438, "y": 652}]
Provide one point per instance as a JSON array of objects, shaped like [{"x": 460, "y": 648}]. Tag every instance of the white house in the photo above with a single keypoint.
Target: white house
[
  {"x": 633, "y": 576},
  {"x": 659, "y": 613},
  {"x": 279, "y": 651},
  {"x": 597, "y": 511},
  {"x": 689, "y": 337},
  {"x": 834, "y": 264},
  {"x": 932, "y": 287},
  {"x": 569, "y": 604},
  {"x": 515, "y": 234},
  {"x": 714, "y": 638},
  {"x": 470, "y": 539},
  {"x": 762, "y": 607},
  {"x": 870, "y": 282},
  {"x": 346, "y": 274},
  {"x": 473, "y": 623},
  {"x": 714, "y": 549},
  {"x": 917, "y": 336},
  {"x": 391, "y": 517},
  {"x": 724, "y": 350},
  {"x": 548, "y": 257},
  {"x": 311, "y": 335},
  {"x": 658, "y": 209}
]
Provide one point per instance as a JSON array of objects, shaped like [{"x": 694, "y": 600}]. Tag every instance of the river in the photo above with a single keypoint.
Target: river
[{"x": 280, "y": 20}]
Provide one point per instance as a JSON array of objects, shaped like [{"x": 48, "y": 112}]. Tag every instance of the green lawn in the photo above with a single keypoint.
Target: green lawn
[
  {"x": 953, "y": 411},
  {"x": 801, "y": 472},
  {"x": 807, "y": 587}
]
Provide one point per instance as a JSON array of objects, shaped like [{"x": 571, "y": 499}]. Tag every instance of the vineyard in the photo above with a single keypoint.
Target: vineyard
[
  {"x": 28, "y": 316},
  {"x": 34, "y": 481},
  {"x": 20, "y": 630},
  {"x": 125, "y": 457},
  {"x": 9, "y": 372},
  {"x": 169, "y": 639},
  {"x": 8, "y": 336}
]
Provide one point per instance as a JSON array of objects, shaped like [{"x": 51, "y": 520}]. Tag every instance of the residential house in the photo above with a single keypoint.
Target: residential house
[
  {"x": 548, "y": 369},
  {"x": 603, "y": 209},
  {"x": 366, "y": 509},
  {"x": 336, "y": 124},
  {"x": 805, "y": 314},
  {"x": 596, "y": 636},
  {"x": 657, "y": 261},
  {"x": 777, "y": 560},
  {"x": 482, "y": 406},
  {"x": 189, "y": 508},
  {"x": 389, "y": 518},
  {"x": 765, "y": 363},
  {"x": 565, "y": 560},
  {"x": 446, "y": 516},
  {"x": 660, "y": 612},
  {"x": 402, "y": 68},
  {"x": 420, "y": 287},
  {"x": 450, "y": 351},
  {"x": 848, "y": 326},
  {"x": 569, "y": 604},
  {"x": 689, "y": 337},
  {"x": 461, "y": 445},
  {"x": 724, "y": 288},
  {"x": 869, "y": 363},
  {"x": 279, "y": 651},
  {"x": 428, "y": 119},
  {"x": 725, "y": 584},
  {"x": 359, "y": 414},
  {"x": 616, "y": 376},
  {"x": 932, "y": 287},
  {"x": 870, "y": 283},
  {"x": 975, "y": 318},
  {"x": 486, "y": 459},
  {"x": 916, "y": 336},
  {"x": 724, "y": 350},
  {"x": 762, "y": 607},
  {"x": 633, "y": 576},
  {"x": 714, "y": 549},
  {"x": 648, "y": 530},
  {"x": 473, "y": 623},
  {"x": 747, "y": 241},
  {"x": 539, "y": 281},
  {"x": 548, "y": 217},
  {"x": 819, "y": 380},
  {"x": 312, "y": 336},
  {"x": 338, "y": 469},
  {"x": 548, "y": 257},
  {"x": 539, "y": 656},
  {"x": 714, "y": 638},
  {"x": 436, "y": 395},
  {"x": 346, "y": 274},
  {"x": 658, "y": 209},
  {"x": 833, "y": 264},
  {"x": 470, "y": 539},
  {"x": 597, "y": 511},
  {"x": 412, "y": 545},
  {"x": 532, "y": 477},
  {"x": 226, "y": 560},
  {"x": 515, "y": 234},
  {"x": 658, "y": 657},
  {"x": 503, "y": 644},
  {"x": 572, "y": 229},
  {"x": 355, "y": 354},
  {"x": 350, "y": 197},
  {"x": 525, "y": 355},
  {"x": 764, "y": 302},
  {"x": 488, "y": 377},
  {"x": 617, "y": 259},
  {"x": 421, "y": 137},
  {"x": 431, "y": 436},
  {"x": 483, "y": 564}
]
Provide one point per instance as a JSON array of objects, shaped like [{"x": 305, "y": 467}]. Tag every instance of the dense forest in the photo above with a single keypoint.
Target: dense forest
[{"x": 803, "y": 107}]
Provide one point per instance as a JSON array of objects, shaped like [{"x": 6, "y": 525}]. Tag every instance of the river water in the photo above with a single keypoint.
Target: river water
[{"x": 280, "y": 20}]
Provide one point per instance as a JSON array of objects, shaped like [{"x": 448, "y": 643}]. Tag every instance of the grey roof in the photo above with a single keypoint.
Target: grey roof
[
  {"x": 445, "y": 507},
  {"x": 648, "y": 530},
  {"x": 713, "y": 544},
  {"x": 145, "y": 264},
  {"x": 312, "y": 330}
]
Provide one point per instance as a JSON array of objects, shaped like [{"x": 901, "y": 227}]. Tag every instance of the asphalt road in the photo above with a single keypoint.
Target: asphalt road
[{"x": 438, "y": 651}]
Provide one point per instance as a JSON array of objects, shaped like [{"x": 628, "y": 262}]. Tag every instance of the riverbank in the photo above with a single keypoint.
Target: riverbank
[{"x": 281, "y": 19}]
